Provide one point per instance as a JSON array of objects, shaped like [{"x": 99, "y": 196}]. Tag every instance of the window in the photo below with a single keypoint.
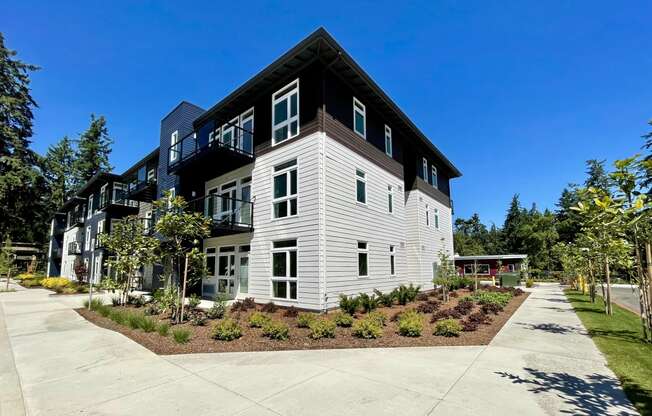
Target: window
[
  {"x": 89, "y": 213},
  {"x": 285, "y": 113},
  {"x": 433, "y": 176},
  {"x": 392, "y": 267},
  {"x": 363, "y": 255},
  {"x": 285, "y": 190},
  {"x": 359, "y": 118},
  {"x": 284, "y": 269},
  {"x": 424, "y": 171},
  {"x": 436, "y": 218},
  {"x": 427, "y": 215},
  {"x": 173, "y": 194},
  {"x": 390, "y": 199},
  {"x": 210, "y": 262},
  {"x": 151, "y": 175},
  {"x": 87, "y": 240},
  {"x": 228, "y": 134},
  {"x": 103, "y": 195},
  {"x": 361, "y": 186},
  {"x": 174, "y": 148},
  {"x": 388, "y": 141},
  {"x": 148, "y": 222},
  {"x": 511, "y": 267},
  {"x": 482, "y": 269},
  {"x": 100, "y": 226},
  {"x": 246, "y": 135},
  {"x": 119, "y": 193}
]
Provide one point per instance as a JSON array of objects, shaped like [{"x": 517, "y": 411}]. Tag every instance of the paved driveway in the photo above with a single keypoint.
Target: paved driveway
[{"x": 542, "y": 362}]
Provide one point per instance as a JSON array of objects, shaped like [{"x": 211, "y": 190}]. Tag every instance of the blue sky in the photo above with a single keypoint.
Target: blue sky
[{"x": 517, "y": 94}]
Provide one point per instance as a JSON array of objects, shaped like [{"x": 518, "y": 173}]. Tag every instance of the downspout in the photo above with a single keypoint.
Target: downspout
[{"x": 324, "y": 297}]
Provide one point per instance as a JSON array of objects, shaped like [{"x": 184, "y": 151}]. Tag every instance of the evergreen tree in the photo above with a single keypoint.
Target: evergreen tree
[
  {"x": 647, "y": 162},
  {"x": 597, "y": 175},
  {"x": 569, "y": 222},
  {"x": 22, "y": 186},
  {"x": 511, "y": 228},
  {"x": 93, "y": 150},
  {"x": 58, "y": 171}
]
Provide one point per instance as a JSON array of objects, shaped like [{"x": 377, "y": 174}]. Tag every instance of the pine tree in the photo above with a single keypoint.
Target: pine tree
[
  {"x": 93, "y": 150},
  {"x": 597, "y": 175},
  {"x": 647, "y": 162},
  {"x": 511, "y": 228},
  {"x": 22, "y": 186},
  {"x": 569, "y": 222},
  {"x": 59, "y": 172}
]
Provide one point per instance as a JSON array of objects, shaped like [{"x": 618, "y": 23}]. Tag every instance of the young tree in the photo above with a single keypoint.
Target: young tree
[
  {"x": 81, "y": 272},
  {"x": 181, "y": 232},
  {"x": 22, "y": 187},
  {"x": 58, "y": 171},
  {"x": 132, "y": 249},
  {"x": 93, "y": 150},
  {"x": 446, "y": 273},
  {"x": 7, "y": 258}
]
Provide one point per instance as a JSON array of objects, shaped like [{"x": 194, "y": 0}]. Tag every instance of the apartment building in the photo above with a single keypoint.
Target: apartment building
[{"x": 316, "y": 183}]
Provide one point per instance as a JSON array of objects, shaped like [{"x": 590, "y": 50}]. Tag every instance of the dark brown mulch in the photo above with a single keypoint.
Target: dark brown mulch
[{"x": 252, "y": 339}]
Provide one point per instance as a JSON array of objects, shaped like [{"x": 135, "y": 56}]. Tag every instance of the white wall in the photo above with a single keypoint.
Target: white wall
[{"x": 68, "y": 260}]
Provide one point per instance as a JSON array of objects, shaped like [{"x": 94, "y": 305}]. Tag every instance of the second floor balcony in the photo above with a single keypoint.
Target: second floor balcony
[
  {"x": 143, "y": 190},
  {"x": 117, "y": 199},
  {"x": 220, "y": 150},
  {"x": 74, "y": 247},
  {"x": 228, "y": 215}
]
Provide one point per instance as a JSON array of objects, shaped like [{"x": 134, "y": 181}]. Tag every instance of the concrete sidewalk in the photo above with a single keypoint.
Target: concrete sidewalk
[{"x": 542, "y": 362}]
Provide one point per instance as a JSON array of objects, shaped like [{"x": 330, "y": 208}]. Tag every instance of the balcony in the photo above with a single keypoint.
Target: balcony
[
  {"x": 228, "y": 215},
  {"x": 117, "y": 200},
  {"x": 221, "y": 151},
  {"x": 76, "y": 219},
  {"x": 74, "y": 247},
  {"x": 98, "y": 241},
  {"x": 142, "y": 190}
]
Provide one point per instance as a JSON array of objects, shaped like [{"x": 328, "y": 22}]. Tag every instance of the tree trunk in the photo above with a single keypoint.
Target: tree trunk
[
  {"x": 475, "y": 274},
  {"x": 592, "y": 288},
  {"x": 646, "y": 289},
  {"x": 183, "y": 292},
  {"x": 607, "y": 275},
  {"x": 8, "y": 277}
]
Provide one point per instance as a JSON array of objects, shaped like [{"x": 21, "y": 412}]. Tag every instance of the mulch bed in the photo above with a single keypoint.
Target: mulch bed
[{"x": 253, "y": 340}]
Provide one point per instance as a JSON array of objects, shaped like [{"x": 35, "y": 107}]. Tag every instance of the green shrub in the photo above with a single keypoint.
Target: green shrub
[
  {"x": 529, "y": 283},
  {"x": 483, "y": 297},
  {"x": 218, "y": 310},
  {"x": 367, "y": 302},
  {"x": 134, "y": 320},
  {"x": 226, "y": 330},
  {"x": 148, "y": 324},
  {"x": 104, "y": 310},
  {"x": 410, "y": 323},
  {"x": 163, "y": 329},
  {"x": 385, "y": 299},
  {"x": 460, "y": 283},
  {"x": 322, "y": 328},
  {"x": 258, "y": 319},
  {"x": 194, "y": 301},
  {"x": 343, "y": 319},
  {"x": 31, "y": 282},
  {"x": 305, "y": 318},
  {"x": 349, "y": 304},
  {"x": 379, "y": 317},
  {"x": 276, "y": 330},
  {"x": 367, "y": 328},
  {"x": 405, "y": 294},
  {"x": 55, "y": 282},
  {"x": 95, "y": 303},
  {"x": 448, "y": 328},
  {"x": 181, "y": 335},
  {"x": 118, "y": 316}
]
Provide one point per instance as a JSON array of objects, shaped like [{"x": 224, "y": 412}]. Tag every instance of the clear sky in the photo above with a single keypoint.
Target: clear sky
[{"x": 517, "y": 94}]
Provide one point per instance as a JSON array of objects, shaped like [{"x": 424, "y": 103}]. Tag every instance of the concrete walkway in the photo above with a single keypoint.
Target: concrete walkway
[{"x": 542, "y": 362}]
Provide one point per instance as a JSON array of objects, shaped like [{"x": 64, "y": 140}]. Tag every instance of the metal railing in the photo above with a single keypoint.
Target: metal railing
[
  {"x": 225, "y": 211},
  {"x": 139, "y": 185},
  {"x": 231, "y": 137},
  {"x": 119, "y": 197},
  {"x": 74, "y": 247},
  {"x": 76, "y": 218}
]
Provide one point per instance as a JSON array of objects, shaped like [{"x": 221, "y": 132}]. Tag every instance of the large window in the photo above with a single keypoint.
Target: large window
[
  {"x": 392, "y": 265},
  {"x": 363, "y": 257},
  {"x": 89, "y": 212},
  {"x": 285, "y": 112},
  {"x": 174, "y": 153},
  {"x": 433, "y": 176},
  {"x": 482, "y": 269},
  {"x": 388, "y": 141},
  {"x": 427, "y": 215},
  {"x": 360, "y": 186},
  {"x": 87, "y": 240},
  {"x": 390, "y": 199},
  {"x": 424, "y": 170},
  {"x": 359, "y": 118},
  {"x": 436, "y": 218},
  {"x": 285, "y": 190},
  {"x": 284, "y": 269}
]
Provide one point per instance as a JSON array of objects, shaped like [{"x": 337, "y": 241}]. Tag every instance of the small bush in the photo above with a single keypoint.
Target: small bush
[
  {"x": 148, "y": 324},
  {"x": 367, "y": 328},
  {"x": 151, "y": 309},
  {"x": 422, "y": 296},
  {"x": 498, "y": 297},
  {"x": 163, "y": 329},
  {"x": 410, "y": 323},
  {"x": 322, "y": 328},
  {"x": 464, "y": 306},
  {"x": 269, "y": 307},
  {"x": 226, "y": 330},
  {"x": 136, "y": 300},
  {"x": 529, "y": 283},
  {"x": 349, "y": 304},
  {"x": 197, "y": 318},
  {"x": 468, "y": 326},
  {"x": 181, "y": 335},
  {"x": 291, "y": 312},
  {"x": 277, "y": 330},
  {"x": 379, "y": 317},
  {"x": 194, "y": 301},
  {"x": 104, "y": 310},
  {"x": 461, "y": 283},
  {"x": 448, "y": 328},
  {"x": 249, "y": 303},
  {"x": 518, "y": 291},
  {"x": 385, "y": 299},
  {"x": 429, "y": 306},
  {"x": 134, "y": 320},
  {"x": 115, "y": 301},
  {"x": 31, "y": 282},
  {"x": 118, "y": 316},
  {"x": 55, "y": 282},
  {"x": 367, "y": 302},
  {"x": 493, "y": 308},
  {"x": 218, "y": 310},
  {"x": 305, "y": 318},
  {"x": 95, "y": 304},
  {"x": 259, "y": 320},
  {"x": 237, "y": 306},
  {"x": 479, "y": 318},
  {"x": 445, "y": 314},
  {"x": 343, "y": 319}
]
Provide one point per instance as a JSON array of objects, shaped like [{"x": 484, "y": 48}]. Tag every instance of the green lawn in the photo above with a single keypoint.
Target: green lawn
[{"x": 620, "y": 338}]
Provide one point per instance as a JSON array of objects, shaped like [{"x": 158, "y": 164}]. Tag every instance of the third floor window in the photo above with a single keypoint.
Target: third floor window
[
  {"x": 285, "y": 190},
  {"x": 285, "y": 112},
  {"x": 359, "y": 118}
]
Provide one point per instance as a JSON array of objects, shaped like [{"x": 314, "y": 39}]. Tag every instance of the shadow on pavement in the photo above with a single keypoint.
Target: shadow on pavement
[
  {"x": 553, "y": 328},
  {"x": 594, "y": 395}
]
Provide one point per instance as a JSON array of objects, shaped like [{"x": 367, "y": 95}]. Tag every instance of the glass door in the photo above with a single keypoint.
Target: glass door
[
  {"x": 243, "y": 274},
  {"x": 226, "y": 271},
  {"x": 244, "y": 216},
  {"x": 227, "y": 202},
  {"x": 246, "y": 142}
]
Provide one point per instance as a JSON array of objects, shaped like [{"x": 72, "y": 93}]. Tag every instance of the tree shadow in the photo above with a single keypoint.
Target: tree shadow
[
  {"x": 622, "y": 334},
  {"x": 595, "y": 394},
  {"x": 553, "y": 328}
]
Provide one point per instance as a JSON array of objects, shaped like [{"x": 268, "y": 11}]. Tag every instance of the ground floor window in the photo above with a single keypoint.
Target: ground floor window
[
  {"x": 284, "y": 269},
  {"x": 363, "y": 257},
  {"x": 482, "y": 269},
  {"x": 392, "y": 267}
]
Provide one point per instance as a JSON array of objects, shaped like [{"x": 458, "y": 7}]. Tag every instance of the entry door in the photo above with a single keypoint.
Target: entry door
[
  {"x": 227, "y": 205},
  {"x": 226, "y": 274},
  {"x": 247, "y": 138},
  {"x": 210, "y": 210},
  {"x": 243, "y": 274},
  {"x": 244, "y": 216}
]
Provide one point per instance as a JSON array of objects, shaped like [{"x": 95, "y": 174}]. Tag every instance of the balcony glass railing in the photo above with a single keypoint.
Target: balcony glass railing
[
  {"x": 116, "y": 196},
  {"x": 224, "y": 211},
  {"x": 231, "y": 137}
]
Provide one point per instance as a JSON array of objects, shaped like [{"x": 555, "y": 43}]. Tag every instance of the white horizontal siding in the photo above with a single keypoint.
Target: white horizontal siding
[{"x": 68, "y": 260}]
